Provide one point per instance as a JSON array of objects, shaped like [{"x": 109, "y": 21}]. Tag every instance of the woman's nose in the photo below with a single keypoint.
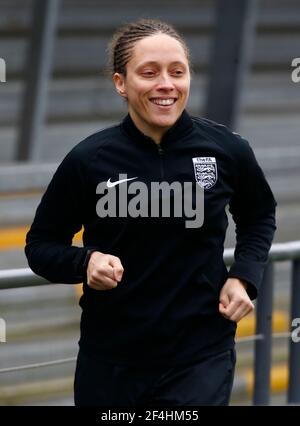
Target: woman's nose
[{"x": 165, "y": 82}]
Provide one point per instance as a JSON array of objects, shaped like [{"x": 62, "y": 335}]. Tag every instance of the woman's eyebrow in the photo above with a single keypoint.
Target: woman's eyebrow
[
  {"x": 158, "y": 64},
  {"x": 144, "y": 64}
]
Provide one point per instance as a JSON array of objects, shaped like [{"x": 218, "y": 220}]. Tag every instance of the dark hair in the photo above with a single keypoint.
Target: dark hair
[{"x": 123, "y": 41}]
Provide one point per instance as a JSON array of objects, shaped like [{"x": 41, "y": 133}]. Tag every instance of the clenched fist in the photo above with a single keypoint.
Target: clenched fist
[
  {"x": 234, "y": 300},
  {"x": 104, "y": 271}
]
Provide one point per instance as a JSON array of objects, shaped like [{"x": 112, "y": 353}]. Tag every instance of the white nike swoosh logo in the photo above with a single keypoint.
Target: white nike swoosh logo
[{"x": 117, "y": 182}]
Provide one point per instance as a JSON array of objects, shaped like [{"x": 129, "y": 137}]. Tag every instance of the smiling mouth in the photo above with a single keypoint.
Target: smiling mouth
[{"x": 163, "y": 102}]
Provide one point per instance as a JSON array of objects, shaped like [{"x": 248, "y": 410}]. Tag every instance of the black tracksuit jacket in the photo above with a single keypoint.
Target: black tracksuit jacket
[{"x": 165, "y": 309}]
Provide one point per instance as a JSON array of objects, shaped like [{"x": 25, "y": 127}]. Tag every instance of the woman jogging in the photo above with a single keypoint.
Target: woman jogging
[{"x": 159, "y": 308}]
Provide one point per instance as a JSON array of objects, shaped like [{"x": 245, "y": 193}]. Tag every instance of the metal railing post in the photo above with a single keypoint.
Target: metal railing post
[
  {"x": 294, "y": 349},
  {"x": 231, "y": 57},
  {"x": 263, "y": 347},
  {"x": 38, "y": 68}
]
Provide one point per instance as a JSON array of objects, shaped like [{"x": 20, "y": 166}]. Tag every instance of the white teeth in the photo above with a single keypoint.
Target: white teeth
[{"x": 163, "y": 101}]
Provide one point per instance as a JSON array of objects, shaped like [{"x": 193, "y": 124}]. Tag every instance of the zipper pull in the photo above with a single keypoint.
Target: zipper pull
[{"x": 160, "y": 150}]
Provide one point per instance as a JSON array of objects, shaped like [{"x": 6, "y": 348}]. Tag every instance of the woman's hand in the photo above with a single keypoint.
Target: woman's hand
[
  {"x": 104, "y": 271},
  {"x": 234, "y": 300}
]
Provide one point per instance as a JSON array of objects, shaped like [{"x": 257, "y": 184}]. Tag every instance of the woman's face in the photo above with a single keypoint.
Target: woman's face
[{"x": 157, "y": 84}]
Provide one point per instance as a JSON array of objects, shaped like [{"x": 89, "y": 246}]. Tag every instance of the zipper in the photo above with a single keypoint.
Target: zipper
[{"x": 161, "y": 153}]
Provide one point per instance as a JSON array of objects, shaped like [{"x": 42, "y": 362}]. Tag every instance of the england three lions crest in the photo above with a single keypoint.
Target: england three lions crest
[{"x": 206, "y": 172}]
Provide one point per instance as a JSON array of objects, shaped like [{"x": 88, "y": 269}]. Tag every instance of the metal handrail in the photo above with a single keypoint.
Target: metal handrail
[{"x": 24, "y": 277}]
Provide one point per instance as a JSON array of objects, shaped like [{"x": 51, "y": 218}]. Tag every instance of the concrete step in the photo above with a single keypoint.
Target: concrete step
[
  {"x": 75, "y": 54},
  {"x": 262, "y": 131},
  {"x": 92, "y": 16},
  {"x": 31, "y": 179},
  {"x": 27, "y": 311},
  {"x": 86, "y": 99},
  {"x": 39, "y": 391},
  {"x": 46, "y": 391}
]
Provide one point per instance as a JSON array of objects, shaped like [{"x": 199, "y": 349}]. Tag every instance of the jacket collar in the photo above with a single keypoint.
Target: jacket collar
[{"x": 182, "y": 126}]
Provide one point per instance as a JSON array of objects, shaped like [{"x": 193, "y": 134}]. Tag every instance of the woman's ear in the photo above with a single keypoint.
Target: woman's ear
[{"x": 119, "y": 81}]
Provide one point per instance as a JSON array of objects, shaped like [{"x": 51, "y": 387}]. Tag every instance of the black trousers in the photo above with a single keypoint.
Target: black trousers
[{"x": 205, "y": 382}]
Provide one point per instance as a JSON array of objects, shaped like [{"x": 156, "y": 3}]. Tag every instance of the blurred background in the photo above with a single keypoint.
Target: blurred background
[{"x": 57, "y": 92}]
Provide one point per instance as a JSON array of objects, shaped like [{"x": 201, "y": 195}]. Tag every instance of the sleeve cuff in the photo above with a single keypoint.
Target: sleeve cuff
[
  {"x": 82, "y": 267},
  {"x": 251, "y": 272}
]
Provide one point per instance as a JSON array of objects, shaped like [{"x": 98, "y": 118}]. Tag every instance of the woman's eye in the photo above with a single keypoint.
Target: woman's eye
[
  {"x": 177, "y": 72},
  {"x": 148, "y": 73}
]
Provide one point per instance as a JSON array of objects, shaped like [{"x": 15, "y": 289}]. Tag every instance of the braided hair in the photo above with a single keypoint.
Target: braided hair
[{"x": 123, "y": 41}]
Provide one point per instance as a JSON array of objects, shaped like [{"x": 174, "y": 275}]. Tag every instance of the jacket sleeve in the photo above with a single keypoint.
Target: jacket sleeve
[
  {"x": 253, "y": 210},
  {"x": 58, "y": 218}
]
